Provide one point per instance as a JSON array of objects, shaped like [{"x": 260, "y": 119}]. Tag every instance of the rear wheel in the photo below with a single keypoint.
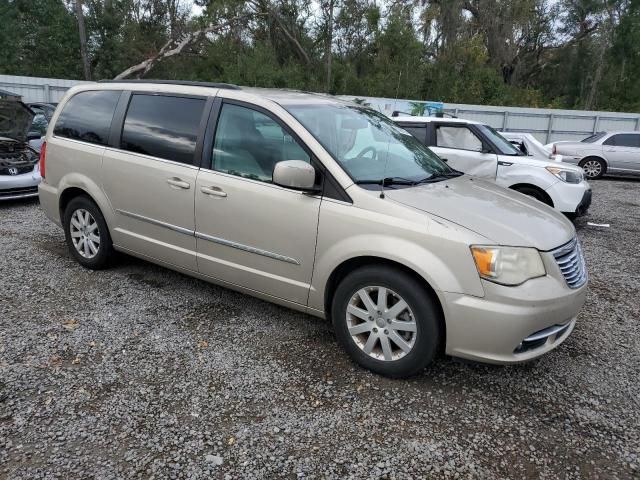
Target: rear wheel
[
  {"x": 386, "y": 321},
  {"x": 87, "y": 234},
  {"x": 593, "y": 167},
  {"x": 535, "y": 193}
]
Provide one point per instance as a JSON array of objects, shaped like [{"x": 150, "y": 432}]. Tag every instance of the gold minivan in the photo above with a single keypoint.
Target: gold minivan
[{"x": 317, "y": 204}]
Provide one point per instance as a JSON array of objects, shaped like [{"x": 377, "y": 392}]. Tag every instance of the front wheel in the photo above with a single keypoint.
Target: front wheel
[
  {"x": 87, "y": 234},
  {"x": 386, "y": 321}
]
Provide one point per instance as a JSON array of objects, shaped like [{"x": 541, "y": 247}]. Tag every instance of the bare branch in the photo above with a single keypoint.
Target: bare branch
[{"x": 176, "y": 46}]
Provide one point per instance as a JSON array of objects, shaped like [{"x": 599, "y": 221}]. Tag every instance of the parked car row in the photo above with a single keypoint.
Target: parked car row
[
  {"x": 604, "y": 152},
  {"x": 329, "y": 208}
]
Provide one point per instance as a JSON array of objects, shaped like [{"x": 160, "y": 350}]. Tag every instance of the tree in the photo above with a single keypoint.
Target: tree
[{"x": 83, "y": 41}]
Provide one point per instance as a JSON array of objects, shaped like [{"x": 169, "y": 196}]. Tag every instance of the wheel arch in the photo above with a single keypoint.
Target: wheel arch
[
  {"x": 544, "y": 194},
  {"x": 74, "y": 186},
  {"x": 595, "y": 157},
  {"x": 354, "y": 263}
]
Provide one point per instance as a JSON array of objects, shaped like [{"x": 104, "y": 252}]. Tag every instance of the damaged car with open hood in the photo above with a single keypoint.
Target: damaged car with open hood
[{"x": 19, "y": 169}]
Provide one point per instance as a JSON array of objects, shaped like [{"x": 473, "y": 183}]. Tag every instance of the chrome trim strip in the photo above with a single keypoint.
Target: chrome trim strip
[
  {"x": 153, "y": 221},
  {"x": 246, "y": 248},
  {"x": 547, "y": 332}
]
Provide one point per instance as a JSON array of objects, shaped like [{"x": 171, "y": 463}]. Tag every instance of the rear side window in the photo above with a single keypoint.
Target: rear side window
[
  {"x": 419, "y": 132},
  {"x": 87, "y": 116},
  {"x": 163, "y": 126},
  {"x": 624, "y": 140}
]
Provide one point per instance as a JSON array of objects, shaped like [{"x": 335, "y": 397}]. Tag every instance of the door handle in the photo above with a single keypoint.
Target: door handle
[
  {"x": 178, "y": 182},
  {"x": 213, "y": 191}
]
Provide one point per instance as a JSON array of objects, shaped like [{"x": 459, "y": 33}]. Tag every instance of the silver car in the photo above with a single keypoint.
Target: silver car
[
  {"x": 19, "y": 172},
  {"x": 319, "y": 205},
  {"x": 604, "y": 152}
]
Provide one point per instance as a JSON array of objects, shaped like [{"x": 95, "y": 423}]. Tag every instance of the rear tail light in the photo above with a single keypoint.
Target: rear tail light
[{"x": 43, "y": 158}]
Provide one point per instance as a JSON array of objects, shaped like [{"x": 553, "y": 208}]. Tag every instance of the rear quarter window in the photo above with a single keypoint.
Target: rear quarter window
[{"x": 87, "y": 116}]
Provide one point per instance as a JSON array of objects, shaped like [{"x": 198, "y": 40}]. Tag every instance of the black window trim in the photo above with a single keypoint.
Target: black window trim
[
  {"x": 424, "y": 125},
  {"x": 84, "y": 142},
  {"x": 117, "y": 124},
  {"x": 334, "y": 190}
]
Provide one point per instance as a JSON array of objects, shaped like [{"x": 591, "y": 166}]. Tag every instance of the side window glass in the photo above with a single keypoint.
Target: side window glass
[
  {"x": 87, "y": 116},
  {"x": 419, "y": 132},
  {"x": 457, "y": 137},
  {"x": 612, "y": 140},
  {"x": 249, "y": 144},
  {"x": 628, "y": 140},
  {"x": 162, "y": 126}
]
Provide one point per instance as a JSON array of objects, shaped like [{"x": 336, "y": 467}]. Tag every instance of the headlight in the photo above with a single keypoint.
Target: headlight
[
  {"x": 568, "y": 176},
  {"x": 508, "y": 265}
]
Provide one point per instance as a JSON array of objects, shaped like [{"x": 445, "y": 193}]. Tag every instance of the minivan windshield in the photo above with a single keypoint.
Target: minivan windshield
[
  {"x": 504, "y": 146},
  {"x": 369, "y": 146}
]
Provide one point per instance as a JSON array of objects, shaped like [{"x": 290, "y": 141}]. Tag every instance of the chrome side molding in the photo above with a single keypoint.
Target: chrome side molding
[
  {"x": 210, "y": 238},
  {"x": 247, "y": 248},
  {"x": 159, "y": 223}
]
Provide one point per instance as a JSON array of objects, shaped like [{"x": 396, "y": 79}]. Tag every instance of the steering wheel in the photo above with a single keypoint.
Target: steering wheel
[{"x": 366, "y": 150}]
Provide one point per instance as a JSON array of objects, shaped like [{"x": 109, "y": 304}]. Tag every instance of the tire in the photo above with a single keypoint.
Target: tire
[
  {"x": 87, "y": 234},
  {"x": 534, "y": 193},
  {"x": 421, "y": 314},
  {"x": 593, "y": 167}
]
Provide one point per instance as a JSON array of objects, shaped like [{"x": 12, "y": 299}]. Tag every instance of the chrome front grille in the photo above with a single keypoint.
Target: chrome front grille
[{"x": 571, "y": 262}]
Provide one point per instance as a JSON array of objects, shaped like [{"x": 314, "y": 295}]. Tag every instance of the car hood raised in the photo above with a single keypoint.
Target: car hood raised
[
  {"x": 503, "y": 216},
  {"x": 15, "y": 120}
]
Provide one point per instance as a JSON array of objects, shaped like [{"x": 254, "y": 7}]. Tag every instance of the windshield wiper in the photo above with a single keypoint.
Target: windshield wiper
[
  {"x": 439, "y": 177},
  {"x": 387, "y": 181}
]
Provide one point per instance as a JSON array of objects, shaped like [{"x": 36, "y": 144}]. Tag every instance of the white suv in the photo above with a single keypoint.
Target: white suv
[{"x": 477, "y": 149}]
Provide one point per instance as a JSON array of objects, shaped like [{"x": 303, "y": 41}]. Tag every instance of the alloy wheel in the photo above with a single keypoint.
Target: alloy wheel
[
  {"x": 381, "y": 323},
  {"x": 592, "y": 168},
  {"x": 85, "y": 233}
]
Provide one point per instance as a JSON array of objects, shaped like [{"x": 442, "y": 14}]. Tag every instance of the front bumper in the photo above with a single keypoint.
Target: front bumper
[
  {"x": 583, "y": 206},
  {"x": 13, "y": 187},
  {"x": 512, "y": 324},
  {"x": 573, "y": 198}
]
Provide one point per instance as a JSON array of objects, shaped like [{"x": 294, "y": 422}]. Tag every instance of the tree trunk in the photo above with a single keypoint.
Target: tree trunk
[
  {"x": 83, "y": 41},
  {"x": 328, "y": 51}
]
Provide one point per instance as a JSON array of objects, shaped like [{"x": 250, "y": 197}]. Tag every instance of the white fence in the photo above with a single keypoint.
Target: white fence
[
  {"x": 34, "y": 89},
  {"x": 546, "y": 124}
]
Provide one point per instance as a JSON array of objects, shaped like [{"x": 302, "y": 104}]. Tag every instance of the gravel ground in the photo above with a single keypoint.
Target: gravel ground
[{"x": 142, "y": 372}]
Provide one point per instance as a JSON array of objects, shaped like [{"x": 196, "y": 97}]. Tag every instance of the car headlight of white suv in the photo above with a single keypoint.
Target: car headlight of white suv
[
  {"x": 507, "y": 265},
  {"x": 566, "y": 175}
]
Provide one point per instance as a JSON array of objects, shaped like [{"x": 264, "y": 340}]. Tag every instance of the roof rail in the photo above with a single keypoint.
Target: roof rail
[{"x": 228, "y": 86}]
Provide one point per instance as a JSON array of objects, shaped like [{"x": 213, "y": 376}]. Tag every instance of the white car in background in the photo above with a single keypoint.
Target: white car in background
[
  {"x": 477, "y": 149},
  {"x": 531, "y": 146},
  {"x": 604, "y": 152}
]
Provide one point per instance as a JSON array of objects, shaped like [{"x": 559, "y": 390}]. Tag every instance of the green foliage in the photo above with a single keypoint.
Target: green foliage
[{"x": 541, "y": 53}]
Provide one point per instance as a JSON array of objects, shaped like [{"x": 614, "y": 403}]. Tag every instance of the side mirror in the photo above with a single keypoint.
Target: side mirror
[
  {"x": 294, "y": 174},
  {"x": 486, "y": 150}
]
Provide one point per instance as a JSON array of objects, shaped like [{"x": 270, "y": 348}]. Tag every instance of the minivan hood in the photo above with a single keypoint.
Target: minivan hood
[
  {"x": 15, "y": 120},
  {"x": 503, "y": 216}
]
